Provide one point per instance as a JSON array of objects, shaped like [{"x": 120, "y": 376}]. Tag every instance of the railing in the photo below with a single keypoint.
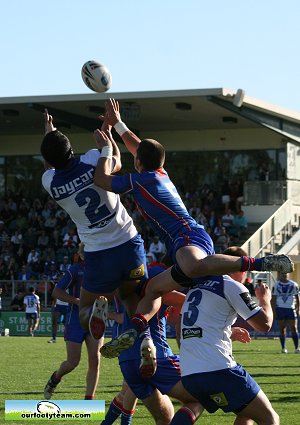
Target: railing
[
  {"x": 265, "y": 237},
  {"x": 12, "y": 287}
]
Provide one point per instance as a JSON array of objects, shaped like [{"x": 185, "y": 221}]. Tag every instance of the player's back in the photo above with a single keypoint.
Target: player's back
[
  {"x": 161, "y": 205},
  {"x": 101, "y": 219},
  {"x": 31, "y": 302}
]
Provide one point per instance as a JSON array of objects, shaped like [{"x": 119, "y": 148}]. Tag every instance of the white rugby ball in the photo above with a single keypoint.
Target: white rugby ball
[{"x": 96, "y": 76}]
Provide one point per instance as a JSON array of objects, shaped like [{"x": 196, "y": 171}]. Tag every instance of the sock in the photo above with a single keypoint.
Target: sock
[
  {"x": 296, "y": 340},
  {"x": 126, "y": 416},
  {"x": 184, "y": 416},
  {"x": 89, "y": 397},
  {"x": 114, "y": 411},
  {"x": 54, "y": 337},
  {"x": 282, "y": 341},
  {"x": 54, "y": 378},
  {"x": 248, "y": 263},
  {"x": 139, "y": 322}
]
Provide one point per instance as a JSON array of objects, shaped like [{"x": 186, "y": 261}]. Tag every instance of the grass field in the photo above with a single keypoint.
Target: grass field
[{"x": 27, "y": 363}]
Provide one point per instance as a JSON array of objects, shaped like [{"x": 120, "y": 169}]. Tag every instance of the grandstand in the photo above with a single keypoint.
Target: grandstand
[{"x": 213, "y": 138}]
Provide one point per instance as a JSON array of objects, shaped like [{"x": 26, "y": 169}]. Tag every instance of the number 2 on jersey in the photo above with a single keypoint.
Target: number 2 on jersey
[{"x": 91, "y": 199}]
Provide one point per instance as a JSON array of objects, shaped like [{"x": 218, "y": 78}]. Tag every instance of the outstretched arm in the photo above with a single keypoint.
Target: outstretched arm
[
  {"x": 106, "y": 128},
  {"x": 130, "y": 139},
  {"x": 102, "y": 176}
]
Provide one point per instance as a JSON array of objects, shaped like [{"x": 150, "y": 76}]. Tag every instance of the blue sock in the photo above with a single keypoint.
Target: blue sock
[
  {"x": 114, "y": 411},
  {"x": 282, "y": 341},
  {"x": 295, "y": 339},
  {"x": 183, "y": 416},
  {"x": 126, "y": 417}
]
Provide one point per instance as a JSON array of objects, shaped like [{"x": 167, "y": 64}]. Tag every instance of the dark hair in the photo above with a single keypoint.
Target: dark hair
[
  {"x": 31, "y": 289},
  {"x": 235, "y": 251},
  {"x": 56, "y": 149},
  {"x": 151, "y": 154}
]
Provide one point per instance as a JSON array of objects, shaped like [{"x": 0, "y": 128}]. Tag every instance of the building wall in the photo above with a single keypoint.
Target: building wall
[{"x": 179, "y": 140}]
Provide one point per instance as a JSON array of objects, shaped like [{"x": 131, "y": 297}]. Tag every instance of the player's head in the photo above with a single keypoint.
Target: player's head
[
  {"x": 283, "y": 277},
  {"x": 56, "y": 149},
  {"x": 31, "y": 289},
  {"x": 236, "y": 251},
  {"x": 150, "y": 155}
]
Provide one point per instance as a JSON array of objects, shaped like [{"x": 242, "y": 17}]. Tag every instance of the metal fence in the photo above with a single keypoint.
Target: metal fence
[{"x": 10, "y": 288}]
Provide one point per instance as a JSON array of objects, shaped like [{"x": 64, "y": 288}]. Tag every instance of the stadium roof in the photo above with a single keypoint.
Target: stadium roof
[{"x": 176, "y": 110}]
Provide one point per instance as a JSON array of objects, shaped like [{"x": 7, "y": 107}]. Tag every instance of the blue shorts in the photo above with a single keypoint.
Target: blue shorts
[
  {"x": 33, "y": 316},
  {"x": 228, "y": 389},
  {"x": 73, "y": 331},
  {"x": 196, "y": 237},
  {"x": 285, "y": 313},
  {"x": 165, "y": 377},
  {"x": 105, "y": 270}
]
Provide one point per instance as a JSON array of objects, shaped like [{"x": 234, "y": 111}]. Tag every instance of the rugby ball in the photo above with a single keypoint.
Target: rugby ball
[{"x": 96, "y": 76}]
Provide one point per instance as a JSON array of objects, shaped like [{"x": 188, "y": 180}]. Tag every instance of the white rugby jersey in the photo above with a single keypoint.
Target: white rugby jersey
[
  {"x": 101, "y": 219},
  {"x": 285, "y": 294},
  {"x": 209, "y": 310},
  {"x": 31, "y": 301}
]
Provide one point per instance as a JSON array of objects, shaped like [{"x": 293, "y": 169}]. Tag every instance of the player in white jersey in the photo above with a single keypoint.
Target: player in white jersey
[
  {"x": 114, "y": 251},
  {"x": 32, "y": 310},
  {"x": 209, "y": 371},
  {"x": 286, "y": 309}
]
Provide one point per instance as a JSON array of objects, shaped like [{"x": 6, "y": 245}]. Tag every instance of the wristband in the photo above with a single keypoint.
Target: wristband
[
  {"x": 121, "y": 128},
  {"x": 106, "y": 152}
]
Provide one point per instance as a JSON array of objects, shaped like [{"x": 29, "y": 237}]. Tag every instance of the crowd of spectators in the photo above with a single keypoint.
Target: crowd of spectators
[{"x": 38, "y": 240}]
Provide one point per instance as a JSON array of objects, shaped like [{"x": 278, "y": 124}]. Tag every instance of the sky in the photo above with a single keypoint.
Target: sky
[{"x": 152, "y": 45}]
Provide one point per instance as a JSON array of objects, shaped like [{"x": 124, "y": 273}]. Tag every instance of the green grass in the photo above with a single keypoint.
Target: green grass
[{"x": 27, "y": 363}]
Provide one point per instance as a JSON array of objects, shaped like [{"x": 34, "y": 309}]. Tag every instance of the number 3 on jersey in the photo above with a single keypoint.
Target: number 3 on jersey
[{"x": 191, "y": 315}]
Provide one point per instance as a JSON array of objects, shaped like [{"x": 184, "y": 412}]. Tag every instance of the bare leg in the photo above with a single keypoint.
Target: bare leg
[
  {"x": 160, "y": 407},
  {"x": 261, "y": 411},
  {"x": 92, "y": 377},
  {"x": 73, "y": 359}
]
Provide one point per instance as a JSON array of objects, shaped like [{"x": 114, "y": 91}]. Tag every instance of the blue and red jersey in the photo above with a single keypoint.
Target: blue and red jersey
[{"x": 159, "y": 203}]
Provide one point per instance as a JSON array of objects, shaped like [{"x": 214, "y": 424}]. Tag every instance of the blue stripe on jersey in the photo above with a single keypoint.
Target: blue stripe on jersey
[
  {"x": 66, "y": 182},
  {"x": 158, "y": 201},
  {"x": 213, "y": 284}
]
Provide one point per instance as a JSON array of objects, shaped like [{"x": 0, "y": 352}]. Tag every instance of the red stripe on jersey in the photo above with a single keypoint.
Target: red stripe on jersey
[
  {"x": 154, "y": 201},
  {"x": 175, "y": 364}
]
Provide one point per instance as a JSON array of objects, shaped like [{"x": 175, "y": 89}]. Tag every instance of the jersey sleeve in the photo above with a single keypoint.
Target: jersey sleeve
[
  {"x": 37, "y": 299},
  {"x": 47, "y": 178},
  {"x": 122, "y": 184},
  {"x": 240, "y": 299},
  {"x": 91, "y": 157},
  {"x": 66, "y": 280}
]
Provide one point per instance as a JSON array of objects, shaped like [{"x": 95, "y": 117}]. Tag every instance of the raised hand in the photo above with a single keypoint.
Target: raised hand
[
  {"x": 101, "y": 139},
  {"x": 113, "y": 111},
  {"x": 48, "y": 122}
]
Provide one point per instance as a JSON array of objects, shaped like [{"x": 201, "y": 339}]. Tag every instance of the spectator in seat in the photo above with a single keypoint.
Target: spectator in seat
[
  {"x": 65, "y": 265},
  {"x": 157, "y": 248},
  {"x": 227, "y": 219},
  {"x": 17, "y": 302},
  {"x": 239, "y": 224}
]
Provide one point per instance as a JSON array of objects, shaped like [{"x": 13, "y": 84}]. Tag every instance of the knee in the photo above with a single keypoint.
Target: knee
[{"x": 73, "y": 363}]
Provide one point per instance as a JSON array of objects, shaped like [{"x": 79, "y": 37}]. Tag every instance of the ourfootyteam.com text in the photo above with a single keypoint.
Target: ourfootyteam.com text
[{"x": 55, "y": 415}]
